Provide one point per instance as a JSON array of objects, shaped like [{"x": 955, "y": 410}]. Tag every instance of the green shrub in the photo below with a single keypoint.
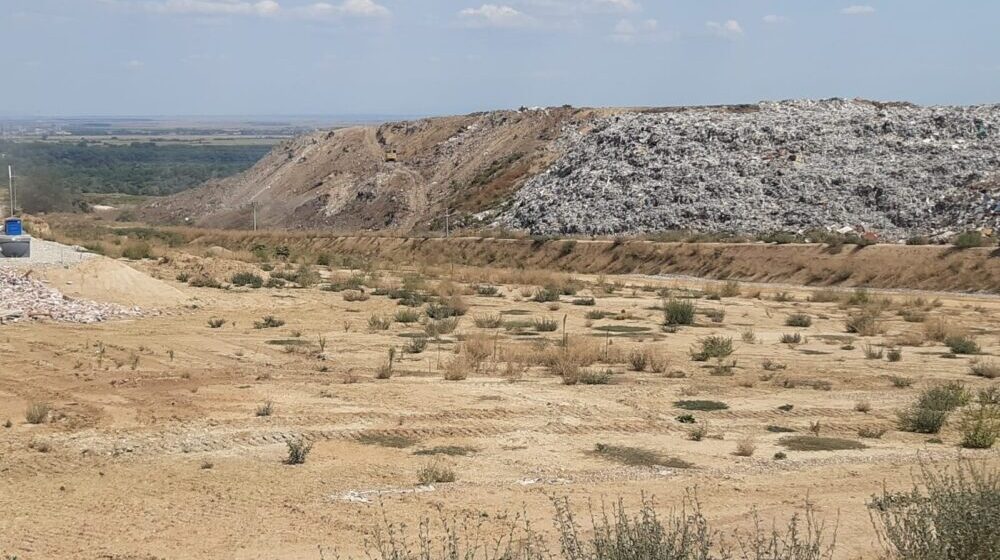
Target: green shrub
[
  {"x": 677, "y": 312},
  {"x": 968, "y": 240},
  {"x": 713, "y": 347},
  {"x": 216, "y": 323},
  {"x": 951, "y": 513},
  {"x": 488, "y": 321},
  {"x": 588, "y": 301},
  {"x": 487, "y": 291},
  {"x": 247, "y": 279},
  {"x": 894, "y": 355},
  {"x": 416, "y": 345},
  {"x": 981, "y": 424},
  {"x": 962, "y": 344},
  {"x": 547, "y": 294},
  {"x": 298, "y": 450},
  {"x": 595, "y": 377},
  {"x": 798, "y": 320}
]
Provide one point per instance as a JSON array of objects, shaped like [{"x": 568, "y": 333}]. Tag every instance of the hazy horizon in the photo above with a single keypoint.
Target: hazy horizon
[{"x": 202, "y": 58}]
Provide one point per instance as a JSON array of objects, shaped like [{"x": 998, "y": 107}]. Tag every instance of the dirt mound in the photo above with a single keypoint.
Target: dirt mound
[
  {"x": 109, "y": 281},
  {"x": 341, "y": 180}
]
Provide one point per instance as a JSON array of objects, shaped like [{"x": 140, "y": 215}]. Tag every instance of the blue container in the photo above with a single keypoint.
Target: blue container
[{"x": 12, "y": 226}]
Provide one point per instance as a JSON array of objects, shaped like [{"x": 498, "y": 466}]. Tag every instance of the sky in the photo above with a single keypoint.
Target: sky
[{"x": 433, "y": 57}]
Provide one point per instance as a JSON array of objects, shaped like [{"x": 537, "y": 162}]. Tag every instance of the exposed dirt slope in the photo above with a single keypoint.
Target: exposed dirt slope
[
  {"x": 340, "y": 180},
  {"x": 877, "y": 266}
]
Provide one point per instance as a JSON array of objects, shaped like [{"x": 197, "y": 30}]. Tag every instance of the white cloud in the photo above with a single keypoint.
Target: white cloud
[
  {"x": 348, "y": 8},
  {"x": 773, "y": 19},
  {"x": 858, "y": 10},
  {"x": 729, "y": 29},
  {"x": 260, "y": 8},
  {"x": 616, "y": 5},
  {"x": 492, "y": 15},
  {"x": 134, "y": 65},
  {"x": 628, "y": 32},
  {"x": 214, "y": 7}
]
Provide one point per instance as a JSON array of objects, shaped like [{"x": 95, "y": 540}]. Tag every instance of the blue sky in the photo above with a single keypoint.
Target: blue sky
[{"x": 312, "y": 57}]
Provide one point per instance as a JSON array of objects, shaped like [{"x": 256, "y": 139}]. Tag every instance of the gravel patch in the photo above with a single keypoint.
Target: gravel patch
[{"x": 48, "y": 253}]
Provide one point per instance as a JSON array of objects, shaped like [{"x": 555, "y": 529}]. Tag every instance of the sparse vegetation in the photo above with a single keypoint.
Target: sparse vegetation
[
  {"x": 798, "y": 320},
  {"x": 818, "y": 443},
  {"x": 712, "y": 347},
  {"x": 678, "y": 312},
  {"x": 37, "y": 413},
  {"x": 702, "y": 405},
  {"x": 268, "y": 322},
  {"x": 436, "y": 473},
  {"x": 247, "y": 279},
  {"x": 298, "y": 450},
  {"x": 638, "y": 457}
]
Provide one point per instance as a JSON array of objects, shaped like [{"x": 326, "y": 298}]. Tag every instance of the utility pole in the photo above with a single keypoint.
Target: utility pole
[{"x": 254, "y": 206}]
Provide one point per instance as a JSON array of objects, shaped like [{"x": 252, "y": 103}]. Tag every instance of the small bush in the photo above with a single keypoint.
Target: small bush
[
  {"x": 247, "y": 279},
  {"x": 588, "y": 301},
  {"x": 354, "y": 295},
  {"x": 407, "y": 316},
  {"x": 487, "y": 291},
  {"x": 864, "y": 323},
  {"x": 968, "y": 240},
  {"x": 950, "y": 513},
  {"x": 715, "y": 315},
  {"x": 416, "y": 345},
  {"x": 713, "y": 347},
  {"x": 922, "y": 420},
  {"x": 798, "y": 320},
  {"x": 546, "y": 325},
  {"x": 987, "y": 368},
  {"x": 596, "y": 377},
  {"x": 871, "y": 432},
  {"x": 436, "y": 473},
  {"x": 443, "y": 326},
  {"x": 962, "y": 345},
  {"x": 596, "y": 315},
  {"x": 677, "y": 312},
  {"x": 216, "y": 323},
  {"x": 730, "y": 289},
  {"x": 900, "y": 382},
  {"x": 203, "y": 281},
  {"x": 698, "y": 432},
  {"x": 488, "y": 321},
  {"x": 980, "y": 425},
  {"x": 546, "y": 295},
  {"x": 265, "y": 409},
  {"x": 894, "y": 355},
  {"x": 771, "y": 365},
  {"x": 863, "y": 406},
  {"x": 872, "y": 352},
  {"x": 378, "y": 322},
  {"x": 748, "y": 335},
  {"x": 686, "y": 419},
  {"x": 794, "y": 338},
  {"x": 137, "y": 251},
  {"x": 37, "y": 413},
  {"x": 746, "y": 446},
  {"x": 268, "y": 322},
  {"x": 298, "y": 450}
]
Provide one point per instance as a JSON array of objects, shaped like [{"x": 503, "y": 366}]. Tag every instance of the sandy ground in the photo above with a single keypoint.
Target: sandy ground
[{"x": 154, "y": 449}]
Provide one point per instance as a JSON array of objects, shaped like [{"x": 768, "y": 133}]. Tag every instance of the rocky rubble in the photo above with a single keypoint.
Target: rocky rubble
[
  {"x": 896, "y": 169},
  {"x": 22, "y": 297}
]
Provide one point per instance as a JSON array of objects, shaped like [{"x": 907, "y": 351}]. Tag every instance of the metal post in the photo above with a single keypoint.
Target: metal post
[
  {"x": 10, "y": 184},
  {"x": 447, "y": 223},
  {"x": 254, "y": 206}
]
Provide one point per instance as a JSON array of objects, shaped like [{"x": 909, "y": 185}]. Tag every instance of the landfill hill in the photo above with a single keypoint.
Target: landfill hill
[{"x": 897, "y": 169}]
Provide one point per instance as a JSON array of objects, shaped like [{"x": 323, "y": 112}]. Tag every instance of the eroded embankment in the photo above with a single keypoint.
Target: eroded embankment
[{"x": 877, "y": 266}]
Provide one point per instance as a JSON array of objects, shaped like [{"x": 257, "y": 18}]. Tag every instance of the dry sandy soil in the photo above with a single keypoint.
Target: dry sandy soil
[{"x": 154, "y": 448}]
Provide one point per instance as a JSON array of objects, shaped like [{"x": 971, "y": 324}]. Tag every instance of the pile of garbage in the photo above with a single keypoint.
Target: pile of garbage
[
  {"x": 22, "y": 297},
  {"x": 896, "y": 170}
]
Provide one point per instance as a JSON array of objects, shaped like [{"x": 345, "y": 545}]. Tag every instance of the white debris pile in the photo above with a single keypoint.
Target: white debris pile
[
  {"x": 897, "y": 169},
  {"x": 22, "y": 297}
]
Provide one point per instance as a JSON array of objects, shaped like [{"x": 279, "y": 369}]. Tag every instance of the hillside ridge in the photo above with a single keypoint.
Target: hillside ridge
[{"x": 896, "y": 169}]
